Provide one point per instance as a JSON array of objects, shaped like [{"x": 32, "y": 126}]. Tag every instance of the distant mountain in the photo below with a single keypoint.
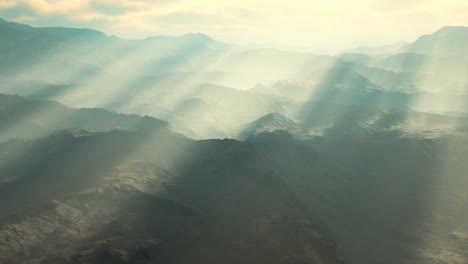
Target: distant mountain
[
  {"x": 21, "y": 32},
  {"x": 326, "y": 120},
  {"x": 154, "y": 76},
  {"x": 416, "y": 76},
  {"x": 344, "y": 83},
  {"x": 200, "y": 37},
  {"x": 188, "y": 80},
  {"x": 22, "y": 45},
  {"x": 433, "y": 69},
  {"x": 378, "y": 50},
  {"x": 446, "y": 42},
  {"x": 23, "y": 118},
  {"x": 219, "y": 111},
  {"x": 267, "y": 124},
  {"x": 86, "y": 51}
]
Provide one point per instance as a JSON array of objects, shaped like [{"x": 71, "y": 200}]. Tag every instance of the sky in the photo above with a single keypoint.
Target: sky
[{"x": 321, "y": 26}]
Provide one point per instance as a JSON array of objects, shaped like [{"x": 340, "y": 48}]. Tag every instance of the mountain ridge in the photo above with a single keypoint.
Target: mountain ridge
[{"x": 187, "y": 36}]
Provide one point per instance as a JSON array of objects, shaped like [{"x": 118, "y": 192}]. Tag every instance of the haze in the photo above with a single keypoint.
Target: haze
[
  {"x": 307, "y": 25},
  {"x": 167, "y": 132}
]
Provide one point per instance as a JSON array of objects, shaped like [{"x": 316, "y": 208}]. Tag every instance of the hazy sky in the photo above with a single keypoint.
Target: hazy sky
[{"x": 313, "y": 25}]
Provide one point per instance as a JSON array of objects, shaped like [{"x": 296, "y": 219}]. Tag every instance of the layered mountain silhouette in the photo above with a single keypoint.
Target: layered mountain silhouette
[
  {"x": 29, "y": 119},
  {"x": 144, "y": 151},
  {"x": 378, "y": 50},
  {"x": 267, "y": 124},
  {"x": 149, "y": 196},
  {"x": 447, "y": 41},
  {"x": 157, "y": 76}
]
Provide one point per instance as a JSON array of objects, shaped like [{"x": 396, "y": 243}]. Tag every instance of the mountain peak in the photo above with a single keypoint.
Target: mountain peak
[
  {"x": 268, "y": 123},
  {"x": 446, "y": 42},
  {"x": 196, "y": 36},
  {"x": 273, "y": 117},
  {"x": 377, "y": 50},
  {"x": 189, "y": 37}
]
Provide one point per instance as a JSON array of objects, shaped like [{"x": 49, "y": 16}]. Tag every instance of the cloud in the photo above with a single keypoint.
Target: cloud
[{"x": 56, "y": 6}]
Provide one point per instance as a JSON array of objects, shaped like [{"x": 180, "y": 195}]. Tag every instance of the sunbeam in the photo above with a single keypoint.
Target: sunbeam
[{"x": 300, "y": 132}]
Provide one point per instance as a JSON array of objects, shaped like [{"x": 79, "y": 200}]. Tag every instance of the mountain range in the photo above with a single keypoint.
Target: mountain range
[
  {"x": 165, "y": 76},
  {"x": 188, "y": 150}
]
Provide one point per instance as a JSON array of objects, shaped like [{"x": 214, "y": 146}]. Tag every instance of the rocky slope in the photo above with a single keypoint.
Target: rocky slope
[{"x": 149, "y": 197}]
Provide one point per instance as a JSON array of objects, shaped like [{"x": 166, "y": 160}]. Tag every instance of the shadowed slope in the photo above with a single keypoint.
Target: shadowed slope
[
  {"x": 23, "y": 118},
  {"x": 150, "y": 197}
]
